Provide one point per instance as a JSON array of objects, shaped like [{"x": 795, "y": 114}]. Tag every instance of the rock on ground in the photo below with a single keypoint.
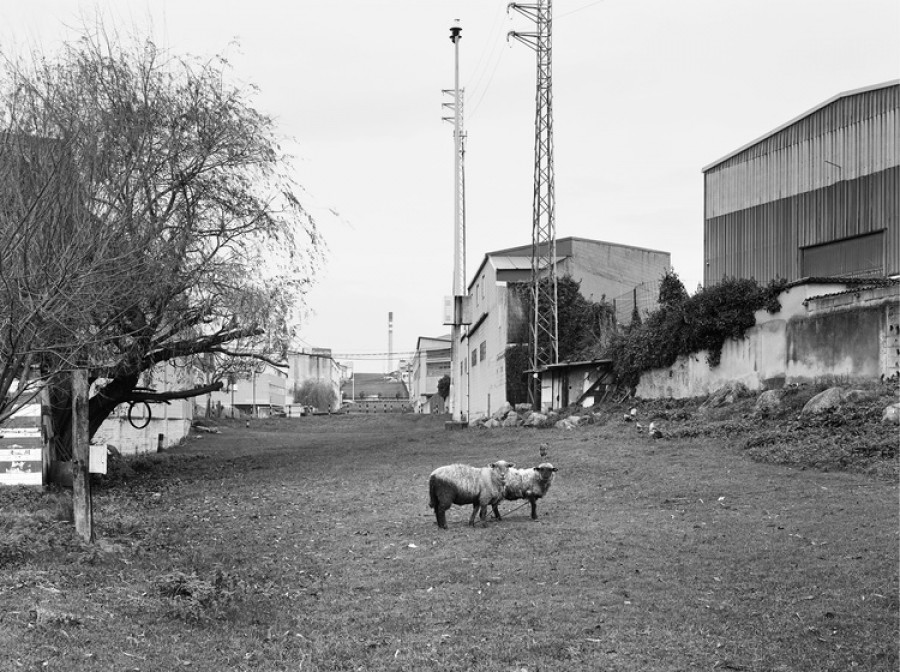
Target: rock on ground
[
  {"x": 770, "y": 400},
  {"x": 833, "y": 397},
  {"x": 724, "y": 396}
]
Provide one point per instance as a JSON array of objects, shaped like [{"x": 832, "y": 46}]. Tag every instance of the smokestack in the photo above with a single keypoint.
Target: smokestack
[{"x": 390, "y": 342}]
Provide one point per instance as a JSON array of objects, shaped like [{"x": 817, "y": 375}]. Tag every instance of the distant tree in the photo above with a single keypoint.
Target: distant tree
[
  {"x": 316, "y": 393},
  {"x": 443, "y": 387}
]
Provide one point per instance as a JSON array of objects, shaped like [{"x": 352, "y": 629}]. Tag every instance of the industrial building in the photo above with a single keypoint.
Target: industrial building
[
  {"x": 816, "y": 197},
  {"x": 430, "y": 363},
  {"x": 498, "y": 323}
]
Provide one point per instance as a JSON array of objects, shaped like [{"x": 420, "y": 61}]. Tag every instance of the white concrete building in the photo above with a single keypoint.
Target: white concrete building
[
  {"x": 499, "y": 326},
  {"x": 430, "y": 363}
]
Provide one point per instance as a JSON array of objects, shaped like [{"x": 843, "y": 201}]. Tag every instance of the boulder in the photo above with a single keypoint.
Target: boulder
[
  {"x": 857, "y": 395},
  {"x": 570, "y": 422},
  {"x": 502, "y": 412},
  {"x": 493, "y": 423},
  {"x": 892, "y": 414},
  {"x": 523, "y": 408},
  {"x": 512, "y": 420},
  {"x": 823, "y": 401},
  {"x": 769, "y": 401},
  {"x": 535, "y": 419},
  {"x": 724, "y": 396}
]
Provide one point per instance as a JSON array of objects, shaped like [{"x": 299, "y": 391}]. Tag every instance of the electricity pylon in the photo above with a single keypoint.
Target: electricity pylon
[{"x": 544, "y": 333}]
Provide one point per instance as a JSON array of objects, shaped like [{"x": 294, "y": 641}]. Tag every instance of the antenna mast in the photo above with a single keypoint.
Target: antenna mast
[
  {"x": 544, "y": 341},
  {"x": 459, "y": 229}
]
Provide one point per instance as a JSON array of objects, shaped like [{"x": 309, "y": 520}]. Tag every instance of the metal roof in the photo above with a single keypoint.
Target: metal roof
[
  {"x": 508, "y": 263},
  {"x": 844, "y": 94}
]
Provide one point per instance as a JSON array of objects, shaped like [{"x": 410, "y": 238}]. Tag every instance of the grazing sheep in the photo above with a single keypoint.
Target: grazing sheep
[
  {"x": 462, "y": 484},
  {"x": 530, "y": 484}
]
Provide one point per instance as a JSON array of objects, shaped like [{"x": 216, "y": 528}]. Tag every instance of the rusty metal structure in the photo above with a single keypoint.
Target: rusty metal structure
[{"x": 818, "y": 196}]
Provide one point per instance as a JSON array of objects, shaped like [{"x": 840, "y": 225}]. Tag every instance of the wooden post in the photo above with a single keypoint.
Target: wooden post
[
  {"x": 47, "y": 434},
  {"x": 81, "y": 478}
]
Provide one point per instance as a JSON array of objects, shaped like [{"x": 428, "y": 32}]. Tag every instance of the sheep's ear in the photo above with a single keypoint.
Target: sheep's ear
[
  {"x": 536, "y": 468},
  {"x": 555, "y": 468},
  {"x": 511, "y": 465},
  {"x": 493, "y": 464}
]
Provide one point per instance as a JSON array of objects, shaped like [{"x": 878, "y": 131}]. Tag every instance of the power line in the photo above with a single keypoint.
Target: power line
[
  {"x": 573, "y": 11},
  {"x": 367, "y": 355}
]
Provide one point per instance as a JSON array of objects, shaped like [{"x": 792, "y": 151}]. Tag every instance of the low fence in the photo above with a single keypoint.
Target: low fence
[
  {"x": 645, "y": 296},
  {"x": 380, "y": 406}
]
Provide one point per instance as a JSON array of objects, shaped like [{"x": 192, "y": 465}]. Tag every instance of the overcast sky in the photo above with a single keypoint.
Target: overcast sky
[{"x": 645, "y": 93}]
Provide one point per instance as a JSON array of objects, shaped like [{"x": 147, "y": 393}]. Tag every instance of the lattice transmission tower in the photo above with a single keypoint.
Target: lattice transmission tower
[{"x": 544, "y": 333}]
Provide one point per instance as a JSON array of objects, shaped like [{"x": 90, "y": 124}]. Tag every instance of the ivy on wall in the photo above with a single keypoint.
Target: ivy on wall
[
  {"x": 586, "y": 329},
  {"x": 686, "y": 324}
]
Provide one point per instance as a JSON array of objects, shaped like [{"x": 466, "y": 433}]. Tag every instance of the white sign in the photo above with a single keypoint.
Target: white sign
[
  {"x": 21, "y": 466},
  {"x": 97, "y": 460}
]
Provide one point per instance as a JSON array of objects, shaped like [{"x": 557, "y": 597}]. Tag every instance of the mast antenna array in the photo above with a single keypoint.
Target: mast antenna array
[{"x": 459, "y": 229}]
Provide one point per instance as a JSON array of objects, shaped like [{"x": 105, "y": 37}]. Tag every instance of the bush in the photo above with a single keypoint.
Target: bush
[{"x": 686, "y": 324}]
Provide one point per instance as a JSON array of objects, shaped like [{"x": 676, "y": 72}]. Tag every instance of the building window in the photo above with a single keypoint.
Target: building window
[
  {"x": 482, "y": 286},
  {"x": 474, "y": 357},
  {"x": 483, "y": 350}
]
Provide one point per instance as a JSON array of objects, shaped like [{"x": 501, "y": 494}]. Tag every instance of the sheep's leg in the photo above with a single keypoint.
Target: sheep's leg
[
  {"x": 533, "y": 501},
  {"x": 484, "y": 510},
  {"x": 441, "y": 514},
  {"x": 474, "y": 511},
  {"x": 496, "y": 512}
]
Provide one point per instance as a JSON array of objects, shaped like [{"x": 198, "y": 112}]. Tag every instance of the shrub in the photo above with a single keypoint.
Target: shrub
[
  {"x": 686, "y": 324},
  {"x": 443, "y": 387}
]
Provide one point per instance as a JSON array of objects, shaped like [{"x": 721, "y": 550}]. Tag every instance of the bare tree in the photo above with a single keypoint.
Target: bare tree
[
  {"x": 58, "y": 265},
  {"x": 205, "y": 248}
]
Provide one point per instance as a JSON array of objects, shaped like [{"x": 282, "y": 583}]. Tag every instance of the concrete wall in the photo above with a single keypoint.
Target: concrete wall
[
  {"x": 172, "y": 420},
  {"x": 845, "y": 335},
  {"x": 608, "y": 270}
]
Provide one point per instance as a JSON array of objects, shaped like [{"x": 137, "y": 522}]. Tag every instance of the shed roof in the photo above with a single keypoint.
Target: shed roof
[{"x": 813, "y": 110}]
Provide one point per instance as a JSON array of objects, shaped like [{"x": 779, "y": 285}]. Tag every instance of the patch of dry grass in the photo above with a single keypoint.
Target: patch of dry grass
[{"x": 307, "y": 544}]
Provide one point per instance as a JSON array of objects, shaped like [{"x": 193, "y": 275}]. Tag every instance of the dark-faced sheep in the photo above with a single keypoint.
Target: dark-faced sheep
[
  {"x": 530, "y": 484},
  {"x": 461, "y": 484}
]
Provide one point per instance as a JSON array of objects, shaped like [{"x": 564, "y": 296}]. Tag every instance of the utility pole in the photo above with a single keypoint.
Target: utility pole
[
  {"x": 544, "y": 333},
  {"x": 459, "y": 234}
]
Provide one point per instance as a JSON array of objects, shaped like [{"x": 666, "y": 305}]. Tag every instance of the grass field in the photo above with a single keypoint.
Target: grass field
[{"x": 307, "y": 544}]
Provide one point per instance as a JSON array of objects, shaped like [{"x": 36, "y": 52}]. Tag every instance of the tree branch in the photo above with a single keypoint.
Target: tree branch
[{"x": 141, "y": 395}]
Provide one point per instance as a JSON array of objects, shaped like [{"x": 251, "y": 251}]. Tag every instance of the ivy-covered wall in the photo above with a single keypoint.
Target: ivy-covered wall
[{"x": 802, "y": 343}]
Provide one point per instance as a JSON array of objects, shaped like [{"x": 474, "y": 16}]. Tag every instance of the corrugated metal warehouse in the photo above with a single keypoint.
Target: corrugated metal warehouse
[{"x": 816, "y": 197}]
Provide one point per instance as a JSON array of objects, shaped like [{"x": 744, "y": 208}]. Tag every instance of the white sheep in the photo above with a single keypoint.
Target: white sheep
[
  {"x": 462, "y": 484},
  {"x": 530, "y": 484}
]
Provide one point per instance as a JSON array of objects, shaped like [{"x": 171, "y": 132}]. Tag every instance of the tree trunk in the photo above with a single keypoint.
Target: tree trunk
[{"x": 99, "y": 408}]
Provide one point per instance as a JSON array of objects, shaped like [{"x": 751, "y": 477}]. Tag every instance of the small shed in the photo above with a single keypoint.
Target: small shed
[{"x": 576, "y": 383}]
